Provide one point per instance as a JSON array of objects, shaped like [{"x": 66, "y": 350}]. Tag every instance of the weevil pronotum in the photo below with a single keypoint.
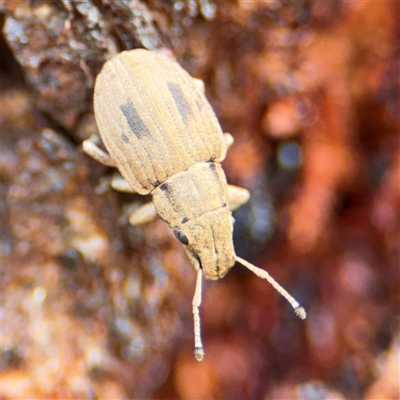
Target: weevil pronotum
[{"x": 164, "y": 138}]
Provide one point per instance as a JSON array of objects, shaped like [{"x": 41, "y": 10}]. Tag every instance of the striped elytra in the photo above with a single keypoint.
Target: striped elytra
[{"x": 153, "y": 119}]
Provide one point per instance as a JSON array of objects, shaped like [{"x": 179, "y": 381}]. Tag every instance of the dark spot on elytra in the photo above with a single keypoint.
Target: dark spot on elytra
[
  {"x": 223, "y": 205},
  {"x": 165, "y": 188},
  {"x": 184, "y": 220},
  {"x": 134, "y": 121},
  {"x": 124, "y": 138},
  {"x": 181, "y": 103}
]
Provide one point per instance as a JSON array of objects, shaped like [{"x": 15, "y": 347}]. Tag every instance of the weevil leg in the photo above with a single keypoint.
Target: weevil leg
[
  {"x": 198, "y": 345},
  {"x": 143, "y": 215},
  {"x": 199, "y": 84},
  {"x": 237, "y": 196},
  {"x": 228, "y": 140},
  {"x": 119, "y": 184},
  {"x": 91, "y": 148}
]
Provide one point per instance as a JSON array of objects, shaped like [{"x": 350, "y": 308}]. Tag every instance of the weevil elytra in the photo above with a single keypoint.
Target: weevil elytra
[{"x": 163, "y": 136}]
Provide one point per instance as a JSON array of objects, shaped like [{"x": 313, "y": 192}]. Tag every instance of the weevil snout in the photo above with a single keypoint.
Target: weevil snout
[{"x": 208, "y": 242}]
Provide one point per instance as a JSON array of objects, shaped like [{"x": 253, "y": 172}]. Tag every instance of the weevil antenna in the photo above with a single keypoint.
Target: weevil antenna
[
  {"x": 298, "y": 309},
  {"x": 198, "y": 345}
]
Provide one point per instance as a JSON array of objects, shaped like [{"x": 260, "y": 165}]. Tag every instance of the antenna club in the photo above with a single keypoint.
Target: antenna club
[
  {"x": 301, "y": 312},
  {"x": 199, "y": 353}
]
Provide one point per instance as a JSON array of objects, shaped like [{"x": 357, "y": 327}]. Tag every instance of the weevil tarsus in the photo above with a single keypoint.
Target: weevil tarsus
[
  {"x": 119, "y": 184},
  {"x": 237, "y": 196},
  {"x": 200, "y": 85},
  {"x": 91, "y": 148},
  {"x": 228, "y": 138},
  {"x": 298, "y": 309},
  {"x": 143, "y": 215}
]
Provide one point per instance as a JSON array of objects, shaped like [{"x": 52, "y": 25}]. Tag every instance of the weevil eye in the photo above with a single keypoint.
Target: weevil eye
[
  {"x": 233, "y": 221},
  {"x": 181, "y": 237}
]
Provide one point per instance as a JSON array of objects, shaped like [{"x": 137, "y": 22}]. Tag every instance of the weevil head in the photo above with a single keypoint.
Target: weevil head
[
  {"x": 208, "y": 242},
  {"x": 194, "y": 204}
]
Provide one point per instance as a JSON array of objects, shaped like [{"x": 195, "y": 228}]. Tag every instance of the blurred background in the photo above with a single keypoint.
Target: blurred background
[{"x": 93, "y": 308}]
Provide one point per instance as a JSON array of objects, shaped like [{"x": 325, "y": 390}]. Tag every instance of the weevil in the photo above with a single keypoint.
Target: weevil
[{"x": 161, "y": 133}]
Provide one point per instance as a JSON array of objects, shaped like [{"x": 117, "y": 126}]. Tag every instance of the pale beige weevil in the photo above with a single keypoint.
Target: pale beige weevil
[{"x": 164, "y": 138}]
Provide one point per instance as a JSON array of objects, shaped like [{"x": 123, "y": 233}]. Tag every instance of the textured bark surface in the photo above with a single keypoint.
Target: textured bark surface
[{"x": 95, "y": 308}]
